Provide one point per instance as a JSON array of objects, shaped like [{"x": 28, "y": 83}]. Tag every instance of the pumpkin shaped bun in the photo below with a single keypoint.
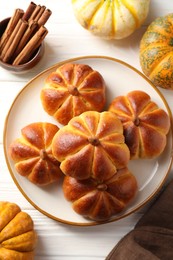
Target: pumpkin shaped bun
[
  {"x": 18, "y": 238},
  {"x": 32, "y": 153},
  {"x": 145, "y": 124},
  {"x": 91, "y": 145},
  {"x": 97, "y": 200},
  {"x": 71, "y": 90}
]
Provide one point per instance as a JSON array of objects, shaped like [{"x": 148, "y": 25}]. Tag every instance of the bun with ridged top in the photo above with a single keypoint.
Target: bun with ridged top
[
  {"x": 145, "y": 124},
  {"x": 32, "y": 153},
  {"x": 91, "y": 145},
  {"x": 100, "y": 201},
  {"x": 71, "y": 90}
]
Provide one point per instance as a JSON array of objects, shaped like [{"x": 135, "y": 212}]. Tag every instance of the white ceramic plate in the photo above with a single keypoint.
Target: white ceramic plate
[{"x": 120, "y": 78}]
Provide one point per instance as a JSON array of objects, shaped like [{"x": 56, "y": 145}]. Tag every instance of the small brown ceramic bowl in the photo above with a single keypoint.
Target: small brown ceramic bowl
[{"x": 26, "y": 66}]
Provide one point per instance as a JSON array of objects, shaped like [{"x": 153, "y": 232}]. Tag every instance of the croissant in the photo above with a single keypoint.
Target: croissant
[
  {"x": 100, "y": 201},
  {"x": 91, "y": 145},
  {"x": 145, "y": 124},
  {"x": 71, "y": 90},
  {"x": 32, "y": 153}
]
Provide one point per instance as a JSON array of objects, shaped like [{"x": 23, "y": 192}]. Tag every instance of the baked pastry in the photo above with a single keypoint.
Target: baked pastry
[
  {"x": 32, "y": 153},
  {"x": 71, "y": 90},
  {"x": 100, "y": 201},
  {"x": 145, "y": 124},
  {"x": 91, "y": 145}
]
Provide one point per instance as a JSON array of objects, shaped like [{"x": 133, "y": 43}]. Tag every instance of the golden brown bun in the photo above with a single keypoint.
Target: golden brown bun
[
  {"x": 71, "y": 90},
  {"x": 91, "y": 145},
  {"x": 145, "y": 124},
  {"x": 32, "y": 153},
  {"x": 100, "y": 201}
]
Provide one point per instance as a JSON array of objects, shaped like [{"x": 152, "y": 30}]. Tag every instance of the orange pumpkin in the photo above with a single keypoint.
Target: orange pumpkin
[
  {"x": 156, "y": 52},
  {"x": 17, "y": 236}
]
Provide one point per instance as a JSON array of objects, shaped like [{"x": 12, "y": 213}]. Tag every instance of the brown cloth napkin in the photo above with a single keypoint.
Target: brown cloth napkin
[{"x": 152, "y": 237}]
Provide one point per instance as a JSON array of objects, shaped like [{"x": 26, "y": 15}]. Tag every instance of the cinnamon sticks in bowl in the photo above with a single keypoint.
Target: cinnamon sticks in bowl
[{"x": 24, "y": 34}]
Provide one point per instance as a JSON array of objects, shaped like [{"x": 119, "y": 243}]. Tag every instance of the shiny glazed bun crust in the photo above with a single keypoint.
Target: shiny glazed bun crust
[
  {"x": 100, "y": 201},
  {"x": 71, "y": 90},
  {"x": 91, "y": 145},
  {"x": 32, "y": 153},
  {"x": 145, "y": 124}
]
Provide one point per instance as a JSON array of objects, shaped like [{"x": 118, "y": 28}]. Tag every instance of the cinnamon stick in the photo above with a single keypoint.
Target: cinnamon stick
[
  {"x": 29, "y": 11},
  {"x": 44, "y": 17},
  {"x": 18, "y": 13},
  {"x": 35, "y": 13},
  {"x": 10, "y": 39},
  {"x": 12, "y": 47},
  {"x": 26, "y": 36},
  {"x": 31, "y": 46},
  {"x": 39, "y": 14}
]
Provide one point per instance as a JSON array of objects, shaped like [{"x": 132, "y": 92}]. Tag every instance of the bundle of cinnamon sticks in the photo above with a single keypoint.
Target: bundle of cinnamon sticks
[{"x": 24, "y": 34}]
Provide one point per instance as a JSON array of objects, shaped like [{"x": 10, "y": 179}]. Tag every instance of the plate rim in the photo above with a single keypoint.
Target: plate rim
[{"x": 56, "y": 65}]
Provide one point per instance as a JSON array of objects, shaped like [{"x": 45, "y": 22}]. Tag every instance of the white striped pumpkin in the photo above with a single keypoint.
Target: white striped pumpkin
[{"x": 111, "y": 19}]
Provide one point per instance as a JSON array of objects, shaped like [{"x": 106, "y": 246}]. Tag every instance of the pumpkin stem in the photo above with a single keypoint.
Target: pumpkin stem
[
  {"x": 94, "y": 141},
  {"x": 73, "y": 90},
  {"x": 137, "y": 121},
  {"x": 43, "y": 154},
  {"x": 102, "y": 187}
]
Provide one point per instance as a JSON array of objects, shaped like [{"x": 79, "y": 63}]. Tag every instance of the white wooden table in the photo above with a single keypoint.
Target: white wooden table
[{"x": 67, "y": 39}]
